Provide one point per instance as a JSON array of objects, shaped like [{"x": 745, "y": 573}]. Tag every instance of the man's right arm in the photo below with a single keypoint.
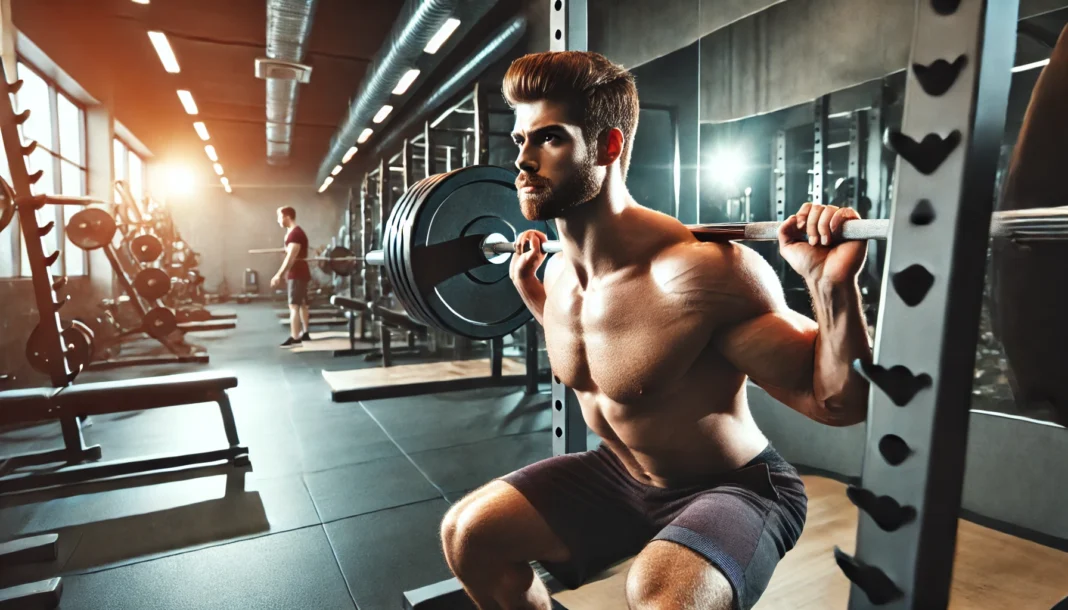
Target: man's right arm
[{"x": 523, "y": 272}]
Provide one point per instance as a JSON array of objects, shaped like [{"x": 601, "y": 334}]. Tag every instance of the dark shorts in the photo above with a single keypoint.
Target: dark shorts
[
  {"x": 298, "y": 292},
  {"x": 743, "y": 522}
]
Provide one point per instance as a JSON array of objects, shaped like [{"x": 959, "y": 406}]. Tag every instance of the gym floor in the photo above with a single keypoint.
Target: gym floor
[{"x": 341, "y": 509}]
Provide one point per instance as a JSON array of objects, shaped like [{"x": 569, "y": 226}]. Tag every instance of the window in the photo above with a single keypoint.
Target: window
[
  {"x": 130, "y": 168},
  {"x": 57, "y": 124}
]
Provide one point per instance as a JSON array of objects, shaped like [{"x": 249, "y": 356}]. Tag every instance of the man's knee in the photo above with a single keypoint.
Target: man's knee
[
  {"x": 469, "y": 530},
  {"x": 668, "y": 575}
]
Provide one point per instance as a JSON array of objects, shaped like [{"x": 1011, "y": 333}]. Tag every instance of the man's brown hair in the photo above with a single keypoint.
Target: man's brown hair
[
  {"x": 601, "y": 94},
  {"x": 288, "y": 211}
]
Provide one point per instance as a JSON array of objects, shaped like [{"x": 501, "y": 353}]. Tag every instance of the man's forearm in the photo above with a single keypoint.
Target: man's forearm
[
  {"x": 533, "y": 294},
  {"x": 286, "y": 264},
  {"x": 842, "y": 338}
]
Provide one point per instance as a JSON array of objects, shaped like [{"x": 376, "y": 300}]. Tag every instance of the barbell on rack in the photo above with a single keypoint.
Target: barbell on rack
[{"x": 448, "y": 236}]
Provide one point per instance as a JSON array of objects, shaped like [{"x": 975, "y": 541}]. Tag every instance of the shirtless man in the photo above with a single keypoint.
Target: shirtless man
[{"x": 656, "y": 333}]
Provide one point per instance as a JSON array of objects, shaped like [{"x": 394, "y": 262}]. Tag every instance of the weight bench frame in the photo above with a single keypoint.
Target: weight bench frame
[{"x": 67, "y": 404}]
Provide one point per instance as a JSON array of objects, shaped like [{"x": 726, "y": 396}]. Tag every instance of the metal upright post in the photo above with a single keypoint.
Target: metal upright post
[
  {"x": 366, "y": 245},
  {"x": 567, "y": 25},
  {"x": 430, "y": 160},
  {"x": 481, "y": 120},
  {"x": 408, "y": 164},
  {"x": 819, "y": 147},
  {"x": 384, "y": 207},
  {"x": 948, "y": 149},
  {"x": 858, "y": 124},
  {"x": 532, "y": 357}
]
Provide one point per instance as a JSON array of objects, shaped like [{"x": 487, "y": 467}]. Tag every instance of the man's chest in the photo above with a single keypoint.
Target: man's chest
[{"x": 626, "y": 339}]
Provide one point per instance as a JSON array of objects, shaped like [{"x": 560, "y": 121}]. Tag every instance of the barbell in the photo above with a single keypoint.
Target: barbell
[{"x": 447, "y": 239}]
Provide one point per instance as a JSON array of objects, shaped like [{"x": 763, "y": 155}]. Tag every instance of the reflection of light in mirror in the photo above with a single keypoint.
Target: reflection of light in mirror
[{"x": 726, "y": 168}]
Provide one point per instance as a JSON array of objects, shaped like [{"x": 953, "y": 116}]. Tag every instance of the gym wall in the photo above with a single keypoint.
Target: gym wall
[{"x": 223, "y": 227}]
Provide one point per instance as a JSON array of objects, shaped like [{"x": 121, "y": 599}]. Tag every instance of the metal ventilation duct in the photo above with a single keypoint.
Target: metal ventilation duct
[
  {"x": 289, "y": 24},
  {"x": 490, "y": 51},
  {"x": 416, "y": 24}
]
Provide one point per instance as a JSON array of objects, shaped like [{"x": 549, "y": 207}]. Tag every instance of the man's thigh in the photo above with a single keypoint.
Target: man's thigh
[
  {"x": 297, "y": 292},
  {"x": 742, "y": 533},
  {"x": 587, "y": 503},
  {"x": 506, "y": 520}
]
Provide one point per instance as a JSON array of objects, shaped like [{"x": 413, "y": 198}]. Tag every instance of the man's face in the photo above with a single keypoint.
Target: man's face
[
  {"x": 557, "y": 170},
  {"x": 281, "y": 220}
]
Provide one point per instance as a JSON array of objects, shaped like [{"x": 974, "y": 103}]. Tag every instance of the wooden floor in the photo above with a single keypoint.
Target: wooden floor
[
  {"x": 416, "y": 373},
  {"x": 324, "y": 312},
  {"x": 321, "y": 321},
  {"x": 328, "y": 345},
  {"x": 992, "y": 570}
]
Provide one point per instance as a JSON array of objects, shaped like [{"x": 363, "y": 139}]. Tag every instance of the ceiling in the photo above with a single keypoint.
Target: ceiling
[{"x": 103, "y": 44}]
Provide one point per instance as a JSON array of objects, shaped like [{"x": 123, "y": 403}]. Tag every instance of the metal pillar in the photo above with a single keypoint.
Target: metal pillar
[
  {"x": 948, "y": 147},
  {"x": 366, "y": 245},
  {"x": 429, "y": 154},
  {"x": 408, "y": 164},
  {"x": 858, "y": 125},
  {"x": 567, "y": 23},
  {"x": 819, "y": 147},
  {"x": 385, "y": 204},
  {"x": 481, "y": 120}
]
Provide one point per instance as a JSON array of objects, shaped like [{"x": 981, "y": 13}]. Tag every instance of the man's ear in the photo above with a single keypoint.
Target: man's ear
[{"x": 610, "y": 147}]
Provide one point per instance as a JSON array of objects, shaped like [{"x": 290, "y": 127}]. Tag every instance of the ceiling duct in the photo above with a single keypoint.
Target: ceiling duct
[
  {"x": 402, "y": 50},
  {"x": 289, "y": 25}
]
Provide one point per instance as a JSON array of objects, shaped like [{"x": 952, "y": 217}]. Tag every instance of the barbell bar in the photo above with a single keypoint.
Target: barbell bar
[
  {"x": 1037, "y": 224},
  {"x": 447, "y": 237}
]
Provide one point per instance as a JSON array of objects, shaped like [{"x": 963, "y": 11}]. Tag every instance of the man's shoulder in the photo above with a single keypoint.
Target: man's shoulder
[{"x": 718, "y": 275}]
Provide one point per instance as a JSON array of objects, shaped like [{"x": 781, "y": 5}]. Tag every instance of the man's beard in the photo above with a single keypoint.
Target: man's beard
[{"x": 550, "y": 201}]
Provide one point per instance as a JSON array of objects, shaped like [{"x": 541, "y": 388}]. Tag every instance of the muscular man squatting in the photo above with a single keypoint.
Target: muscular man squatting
[{"x": 657, "y": 334}]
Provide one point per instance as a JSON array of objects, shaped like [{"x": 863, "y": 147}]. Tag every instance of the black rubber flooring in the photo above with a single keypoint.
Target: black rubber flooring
[{"x": 341, "y": 508}]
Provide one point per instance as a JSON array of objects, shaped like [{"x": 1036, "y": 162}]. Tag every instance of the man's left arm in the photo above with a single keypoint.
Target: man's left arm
[
  {"x": 804, "y": 364},
  {"x": 291, "y": 257}
]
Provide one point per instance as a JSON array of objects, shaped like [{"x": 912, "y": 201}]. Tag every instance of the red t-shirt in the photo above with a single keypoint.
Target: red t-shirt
[{"x": 299, "y": 270}]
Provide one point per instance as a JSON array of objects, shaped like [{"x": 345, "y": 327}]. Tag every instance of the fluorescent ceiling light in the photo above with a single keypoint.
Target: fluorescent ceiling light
[
  {"x": 443, "y": 34},
  {"x": 140, "y": 1},
  {"x": 406, "y": 81},
  {"x": 225, "y": 181},
  {"x": 227, "y": 187},
  {"x": 383, "y": 113},
  {"x": 1030, "y": 66},
  {"x": 211, "y": 152},
  {"x": 336, "y": 170},
  {"x": 348, "y": 154},
  {"x": 187, "y": 101},
  {"x": 218, "y": 169},
  {"x": 202, "y": 131},
  {"x": 365, "y": 135},
  {"x": 326, "y": 183},
  {"x": 165, "y": 52}
]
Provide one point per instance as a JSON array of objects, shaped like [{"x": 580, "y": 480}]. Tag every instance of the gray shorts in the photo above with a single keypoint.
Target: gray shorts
[{"x": 298, "y": 292}]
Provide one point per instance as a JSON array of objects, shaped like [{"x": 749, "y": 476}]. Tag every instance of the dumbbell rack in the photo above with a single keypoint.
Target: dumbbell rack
[{"x": 49, "y": 330}]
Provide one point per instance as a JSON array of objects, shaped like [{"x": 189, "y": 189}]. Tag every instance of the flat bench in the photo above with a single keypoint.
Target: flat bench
[{"x": 68, "y": 404}]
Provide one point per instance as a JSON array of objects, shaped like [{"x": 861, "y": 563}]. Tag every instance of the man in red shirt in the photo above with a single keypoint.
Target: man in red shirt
[{"x": 295, "y": 269}]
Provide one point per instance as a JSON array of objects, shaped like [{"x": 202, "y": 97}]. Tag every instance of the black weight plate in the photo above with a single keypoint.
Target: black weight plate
[
  {"x": 146, "y": 248},
  {"x": 419, "y": 303},
  {"x": 7, "y": 204},
  {"x": 159, "y": 322},
  {"x": 152, "y": 283},
  {"x": 478, "y": 304},
  {"x": 78, "y": 346},
  {"x": 389, "y": 232},
  {"x": 412, "y": 300},
  {"x": 419, "y": 307},
  {"x": 37, "y": 351},
  {"x": 91, "y": 228},
  {"x": 391, "y": 249}
]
